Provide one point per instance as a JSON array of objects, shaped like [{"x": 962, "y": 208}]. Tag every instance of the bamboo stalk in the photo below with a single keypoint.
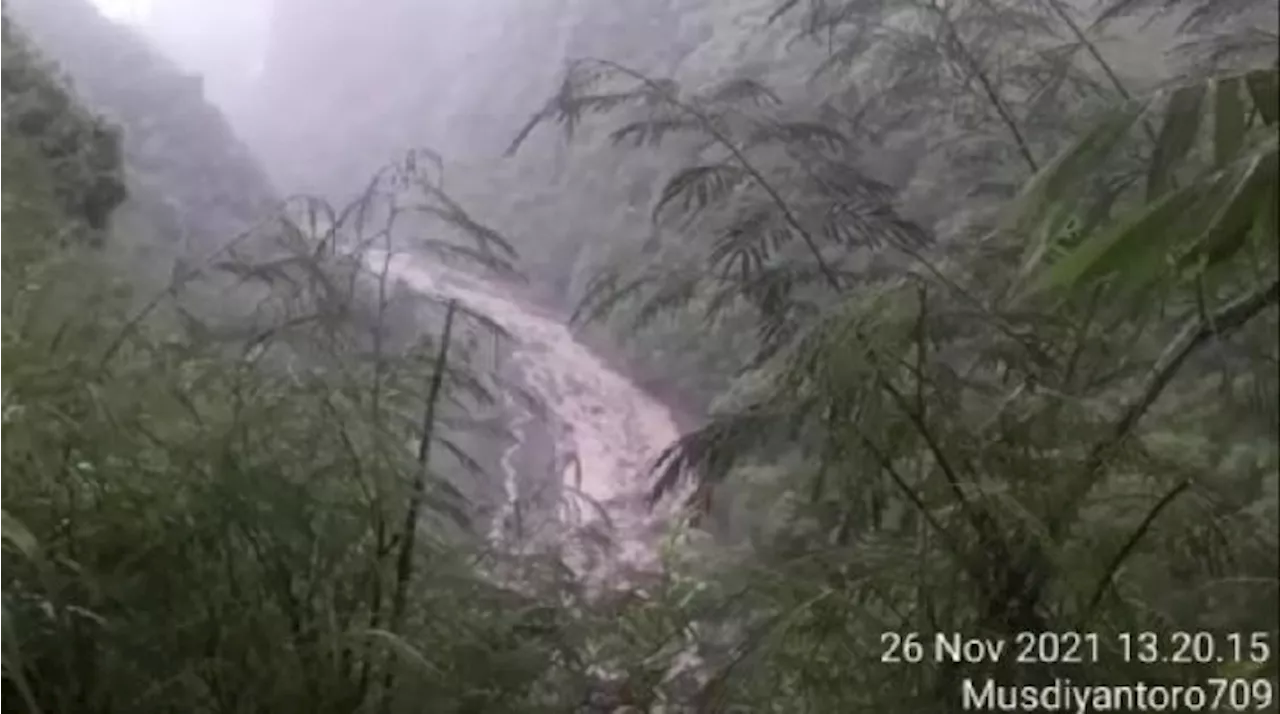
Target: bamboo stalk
[{"x": 404, "y": 562}]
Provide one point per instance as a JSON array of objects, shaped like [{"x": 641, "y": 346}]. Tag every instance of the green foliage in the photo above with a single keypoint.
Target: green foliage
[
  {"x": 81, "y": 150},
  {"x": 207, "y": 512},
  {"x": 1208, "y": 199},
  {"x": 187, "y": 172},
  {"x": 986, "y": 314},
  {"x": 764, "y": 247},
  {"x": 1003, "y": 430}
]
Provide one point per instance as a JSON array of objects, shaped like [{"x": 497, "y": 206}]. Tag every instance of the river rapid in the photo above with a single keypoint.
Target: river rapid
[{"x": 605, "y": 430}]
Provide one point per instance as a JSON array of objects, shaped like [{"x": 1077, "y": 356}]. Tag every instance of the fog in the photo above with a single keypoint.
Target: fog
[
  {"x": 224, "y": 42},
  {"x": 327, "y": 93},
  {"x": 132, "y": 12},
  {"x": 621, "y": 356},
  {"x": 324, "y": 91}
]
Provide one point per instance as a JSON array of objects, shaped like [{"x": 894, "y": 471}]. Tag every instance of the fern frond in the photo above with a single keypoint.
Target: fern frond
[
  {"x": 675, "y": 293},
  {"x": 984, "y": 22},
  {"x": 708, "y": 453},
  {"x": 1200, "y": 14},
  {"x": 699, "y": 186},
  {"x": 749, "y": 242},
  {"x": 783, "y": 8},
  {"x": 454, "y": 253},
  {"x": 606, "y": 292},
  {"x": 798, "y": 132},
  {"x": 842, "y": 180},
  {"x": 572, "y": 101},
  {"x": 653, "y": 131},
  {"x": 743, "y": 89},
  {"x": 874, "y": 224}
]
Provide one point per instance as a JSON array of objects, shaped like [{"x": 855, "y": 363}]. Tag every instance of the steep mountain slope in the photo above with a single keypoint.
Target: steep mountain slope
[
  {"x": 227, "y": 506},
  {"x": 1051, "y": 409},
  {"x": 223, "y": 41},
  {"x": 347, "y": 86},
  {"x": 210, "y": 513},
  {"x": 81, "y": 153},
  {"x": 191, "y": 180}
]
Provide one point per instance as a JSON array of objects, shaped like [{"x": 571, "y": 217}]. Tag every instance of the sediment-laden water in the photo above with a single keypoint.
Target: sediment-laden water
[{"x": 606, "y": 432}]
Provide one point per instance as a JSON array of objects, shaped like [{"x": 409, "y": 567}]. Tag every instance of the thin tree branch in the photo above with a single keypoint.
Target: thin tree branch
[
  {"x": 1065, "y": 15},
  {"x": 988, "y": 88},
  {"x": 948, "y": 539},
  {"x": 1130, "y": 544},
  {"x": 404, "y": 562},
  {"x": 1194, "y": 336},
  {"x": 827, "y": 272}
]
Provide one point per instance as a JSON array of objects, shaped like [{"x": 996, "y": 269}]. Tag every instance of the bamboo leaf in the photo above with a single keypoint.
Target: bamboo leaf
[
  {"x": 799, "y": 132},
  {"x": 699, "y": 186},
  {"x": 1055, "y": 224},
  {"x": 784, "y": 8},
  {"x": 744, "y": 89},
  {"x": 13, "y": 665},
  {"x": 1228, "y": 120},
  {"x": 530, "y": 124},
  {"x": 1177, "y": 136},
  {"x": 1267, "y": 225},
  {"x": 1263, "y": 90},
  {"x": 1071, "y": 167},
  {"x": 399, "y": 646},
  {"x": 14, "y": 533},
  {"x": 606, "y": 295},
  {"x": 1119, "y": 247},
  {"x": 1236, "y": 213},
  {"x": 652, "y": 131},
  {"x": 677, "y": 292}
]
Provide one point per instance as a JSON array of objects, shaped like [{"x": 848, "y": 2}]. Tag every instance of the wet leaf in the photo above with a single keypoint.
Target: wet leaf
[
  {"x": 1228, "y": 120},
  {"x": 699, "y": 186},
  {"x": 1071, "y": 167},
  {"x": 15, "y": 534},
  {"x": 399, "y": 646},
  {"x": 1177, "y": 136},
  {"x": 1230, "y": 225},
  {"x": 1264, "y": 92},
  {"x": 1150, "y": 228}
]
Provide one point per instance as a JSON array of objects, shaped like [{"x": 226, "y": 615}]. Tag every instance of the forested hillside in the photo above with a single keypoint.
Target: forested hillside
[
  {"x": 192, "y": 183},
  {"x": 969, "y": 308}
]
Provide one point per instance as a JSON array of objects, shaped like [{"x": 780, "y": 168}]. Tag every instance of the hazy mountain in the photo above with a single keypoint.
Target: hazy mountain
[
  {"x": 186, "y": 168},
  {"x": 223, "y": 41}
]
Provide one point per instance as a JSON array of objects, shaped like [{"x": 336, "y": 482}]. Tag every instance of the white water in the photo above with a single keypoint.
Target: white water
[{"x": 611, "y": 430}]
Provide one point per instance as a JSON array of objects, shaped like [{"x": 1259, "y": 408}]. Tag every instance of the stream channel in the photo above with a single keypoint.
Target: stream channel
[{"x": 603, "y": 432}]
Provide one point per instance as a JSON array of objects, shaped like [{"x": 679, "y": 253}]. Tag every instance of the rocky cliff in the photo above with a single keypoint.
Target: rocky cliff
[{"x": 189, "y": 175}]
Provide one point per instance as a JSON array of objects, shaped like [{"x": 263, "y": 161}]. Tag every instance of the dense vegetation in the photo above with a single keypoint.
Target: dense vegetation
[
  {"x": 191, "y": 182},
  {"x": 981, "y": 303}
]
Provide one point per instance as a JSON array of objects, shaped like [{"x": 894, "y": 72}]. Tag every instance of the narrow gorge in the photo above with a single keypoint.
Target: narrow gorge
[
  {"x": 639, "y": 357},
  {"x": 605, "y": 434}
]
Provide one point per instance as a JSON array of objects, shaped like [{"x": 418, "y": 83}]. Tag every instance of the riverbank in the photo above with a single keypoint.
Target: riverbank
[
  {"x": 585, "y": 438},
  {"x": 687, "y": 413}
]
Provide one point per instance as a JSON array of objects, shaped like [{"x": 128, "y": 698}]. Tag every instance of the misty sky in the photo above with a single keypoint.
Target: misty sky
[
  {"x": 127, "y": 10},
  {"x": 224, "y": 41}
]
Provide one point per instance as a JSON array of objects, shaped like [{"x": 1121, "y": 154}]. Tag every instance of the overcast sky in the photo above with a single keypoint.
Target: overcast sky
[
  {"x": 221, "y": 40},
  {"x": 127, "y": 10}
]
